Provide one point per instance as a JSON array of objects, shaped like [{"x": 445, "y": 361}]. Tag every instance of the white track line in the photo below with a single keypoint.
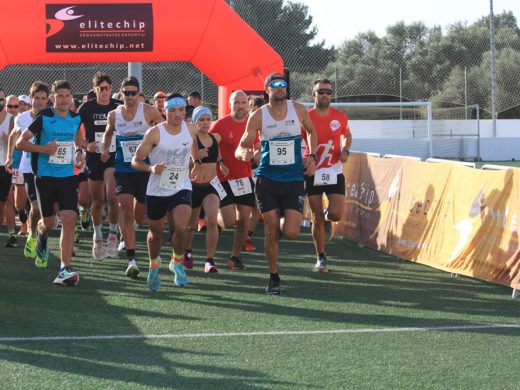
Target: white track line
[{"x": 249, "y": 334}]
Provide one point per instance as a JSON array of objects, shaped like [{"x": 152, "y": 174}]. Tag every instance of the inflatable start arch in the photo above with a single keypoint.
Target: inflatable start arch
[{"x": 207, "y": 33}]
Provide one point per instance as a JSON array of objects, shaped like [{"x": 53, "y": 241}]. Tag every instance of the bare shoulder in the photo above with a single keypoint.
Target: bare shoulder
[{"x": 193, "y": 129}]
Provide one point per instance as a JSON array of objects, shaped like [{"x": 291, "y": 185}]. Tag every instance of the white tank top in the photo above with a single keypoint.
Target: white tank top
[
  {"x": 136, "y": 126},
  {"x": 4, "y": 129},
  {"x": 288, "y": 127},
  {"x": 174, "y": 150}
]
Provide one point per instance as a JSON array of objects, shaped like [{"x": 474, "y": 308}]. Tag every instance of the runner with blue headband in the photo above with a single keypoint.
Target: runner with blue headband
[
  {"x": 174, "y": 102},
  {"x": 165, "y": 154}
]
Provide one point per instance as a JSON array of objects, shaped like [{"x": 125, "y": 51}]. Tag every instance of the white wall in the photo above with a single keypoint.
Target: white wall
[{"x": 451, "y": 140}]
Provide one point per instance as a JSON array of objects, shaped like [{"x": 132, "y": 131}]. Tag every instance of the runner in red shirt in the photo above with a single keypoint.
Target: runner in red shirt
[
  {"x": 334, "y": 141},
  {"x": 238, "y": 183}
]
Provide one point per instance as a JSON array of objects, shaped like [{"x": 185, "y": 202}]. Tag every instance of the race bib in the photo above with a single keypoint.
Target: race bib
[
  {"x": 173, "y": 177},
  {"x": 63, "y": 155},
  {"x": 129, "y": 149},
  {"x": 215, "y": 182},
  {"x": 281, "y": 152},
  {"x": 325, "y": 177},
  {"x": 99, "y": 143},
  {"x": 17, "y": 177},
  {"x": 240, "y": 186}
]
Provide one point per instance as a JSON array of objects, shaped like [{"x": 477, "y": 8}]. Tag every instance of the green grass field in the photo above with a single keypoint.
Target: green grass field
[{"x": 373, "y": 322}]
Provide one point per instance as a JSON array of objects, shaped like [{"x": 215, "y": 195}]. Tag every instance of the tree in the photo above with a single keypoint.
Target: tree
[{"x": 288, "y": 29}]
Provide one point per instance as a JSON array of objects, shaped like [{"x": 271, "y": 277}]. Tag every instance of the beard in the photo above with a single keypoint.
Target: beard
[{"x": 322, "y": 104}]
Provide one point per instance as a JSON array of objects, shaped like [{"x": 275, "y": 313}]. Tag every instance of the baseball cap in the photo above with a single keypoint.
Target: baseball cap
[
  {"x": 25, "y": 99},
  {"x": 273, "y": 76}
]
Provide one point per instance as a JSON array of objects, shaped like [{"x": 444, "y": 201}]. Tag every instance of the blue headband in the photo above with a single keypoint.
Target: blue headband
[
  {"x": 174, "y": 102},
  {"x": 199, "y": 111}
]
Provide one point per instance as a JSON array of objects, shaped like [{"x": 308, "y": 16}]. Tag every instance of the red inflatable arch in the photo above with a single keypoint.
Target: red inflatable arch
[{"x": 207, "y": 33}]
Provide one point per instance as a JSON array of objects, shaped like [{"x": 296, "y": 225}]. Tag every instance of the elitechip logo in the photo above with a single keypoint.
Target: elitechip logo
[{"x": 99, "y": 27}]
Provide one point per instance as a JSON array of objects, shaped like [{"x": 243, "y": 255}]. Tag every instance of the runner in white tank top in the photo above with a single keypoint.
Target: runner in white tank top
[{"x": 168, "y": 146}]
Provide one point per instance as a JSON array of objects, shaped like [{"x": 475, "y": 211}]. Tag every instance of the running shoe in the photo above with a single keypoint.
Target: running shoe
[
  {"x": 202, "y": 225},
  {"x": 11, "y": 242},
  {"x": 42, "y": 256},
  {"x": 210, "y": 267},
  {"x": 153, "y": 280},
  {"x": 273, "y": 287},
  {"x": 121, "y": 247},
  {"x": 187, "y": 260},
  {"x": 111, "y": 246},
  {"x": 181, "y": 279},
  {"x": 132, "y": 271},
  {"x": 98, "y": 250},
  {"x": 67, "y": 277},
  {"x": 235, "y": 264},
  {"x": 84, "y": 218},
  {"x": 29, "y": 249},
  {"x": 248, "y": 246},
  {"x": 321, "y": 264}
]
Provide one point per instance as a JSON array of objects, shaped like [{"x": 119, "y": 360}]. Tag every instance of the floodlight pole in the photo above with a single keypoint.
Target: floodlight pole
[{"x": 493, "y": 68}]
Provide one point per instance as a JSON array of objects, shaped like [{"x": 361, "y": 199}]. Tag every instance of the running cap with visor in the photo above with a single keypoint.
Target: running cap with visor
[{"x": 272, "y": 77}]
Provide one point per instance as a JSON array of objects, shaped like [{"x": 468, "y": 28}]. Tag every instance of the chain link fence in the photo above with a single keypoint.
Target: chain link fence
[{"x": 450, "y": 65}]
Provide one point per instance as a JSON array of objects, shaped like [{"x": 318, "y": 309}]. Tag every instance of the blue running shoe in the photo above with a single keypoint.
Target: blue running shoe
[
  {"x": 153, "y": 280},
  {"x": 67, "y": 277},
  {"x": 181, "y": 279}
]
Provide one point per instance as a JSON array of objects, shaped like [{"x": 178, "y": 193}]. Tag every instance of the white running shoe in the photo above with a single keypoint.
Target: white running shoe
[
  {"x": 112, "y": 246},
  {"x": 98, "y": 250},
  {"x": 132, "y": 270},
  {"x": 121, "y": 247}
]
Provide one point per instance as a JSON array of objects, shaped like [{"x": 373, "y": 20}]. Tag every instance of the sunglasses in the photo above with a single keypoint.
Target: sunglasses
[
  {"x": 104, "y": 88},
  {"x": 159, "y": 97},
  {"x": 324, "y": 91},
  {"x": 130, "y": 93},
  {"x": 13, "y": 106},
  {"x": 278, "y": 84}
]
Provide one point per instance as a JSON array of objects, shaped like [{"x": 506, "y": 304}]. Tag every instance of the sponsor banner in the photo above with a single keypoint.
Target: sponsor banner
[
  {"x": 99, "y": 27},
  {"x": 446, "y": 216}
]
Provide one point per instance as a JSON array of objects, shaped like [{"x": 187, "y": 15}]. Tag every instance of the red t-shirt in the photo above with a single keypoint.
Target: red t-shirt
[
  {"x": 329, "y": 128},
  {"x": 231, "y": 133}
]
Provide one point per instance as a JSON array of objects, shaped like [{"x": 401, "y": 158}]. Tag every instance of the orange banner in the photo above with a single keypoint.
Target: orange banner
[{"x": 447, "y": 216}]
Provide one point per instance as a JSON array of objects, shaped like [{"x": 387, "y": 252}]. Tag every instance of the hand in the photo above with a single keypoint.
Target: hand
[
  {"x": 248, "y": 154},
  {"x": 309, "y": 166},
  {"x": 105, "y": 156},
  {"x": 256, "y": 157},
  {"x": 344, "y": 155},
  {"x": 92, "y": 147},
  {"x": 158, "y": 168},
  {"x": 202, "y": 153},
  {"x": 80, "y": 161},
  {"x": 194, "y": 172},
  {"x": 224, "y": 169},
  {"x": 8, "y": 162},
  {"x": 51, "y": 148}
]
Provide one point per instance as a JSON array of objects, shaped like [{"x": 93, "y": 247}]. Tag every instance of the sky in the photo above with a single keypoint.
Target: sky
[{"x": 338, "y": 20}]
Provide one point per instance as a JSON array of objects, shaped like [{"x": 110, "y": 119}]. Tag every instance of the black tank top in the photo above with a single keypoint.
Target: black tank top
[{"x": 212, "y": 150}]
